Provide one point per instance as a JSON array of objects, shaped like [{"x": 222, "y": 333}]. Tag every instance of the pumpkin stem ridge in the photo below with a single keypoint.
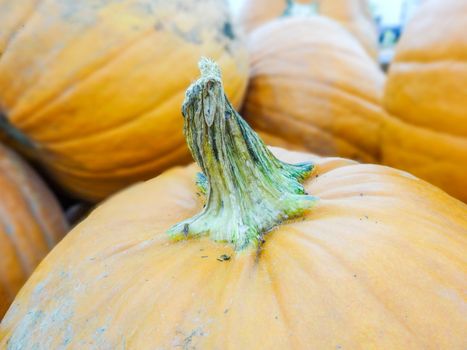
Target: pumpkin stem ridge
[{"x": 248, "y": 190}]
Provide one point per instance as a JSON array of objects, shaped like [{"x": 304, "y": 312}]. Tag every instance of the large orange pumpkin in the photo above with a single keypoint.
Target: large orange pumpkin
[
  {"x": 378, "y": 261},
  {"x": 31, "y": 223},
  {"x": 313, "y": 86},
  {"x": 426, "y": 91},
  {"x": 96, "y": 85},
  {"x": 354, "y": 15}
]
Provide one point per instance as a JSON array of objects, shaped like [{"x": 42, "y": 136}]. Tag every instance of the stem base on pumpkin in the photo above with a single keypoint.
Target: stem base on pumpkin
[{"x": 225, "y": 223}]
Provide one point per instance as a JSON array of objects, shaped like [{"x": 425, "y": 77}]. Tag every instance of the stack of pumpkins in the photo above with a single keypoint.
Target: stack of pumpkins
[{"x": 289, "y": 249}]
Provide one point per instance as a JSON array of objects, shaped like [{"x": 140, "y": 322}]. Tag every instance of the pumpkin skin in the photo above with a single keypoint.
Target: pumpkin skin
[
  {"x": 97, "y": 87},
  {"x": 31, "y": 223},
  {"x": 426, "y": 91},
  {"x": 354, "y": 15},
  {"x": 360, "y": 270},
  {"x": 254, "y": 13},
  {"x": 313, "y": 86}
]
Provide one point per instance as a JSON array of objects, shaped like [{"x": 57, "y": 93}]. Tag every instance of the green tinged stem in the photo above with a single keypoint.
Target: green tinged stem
[{"x": 249, "y": 191}]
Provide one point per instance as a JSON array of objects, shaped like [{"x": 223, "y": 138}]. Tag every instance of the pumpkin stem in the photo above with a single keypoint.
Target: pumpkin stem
[
  {"x": 13, "y": 133},
  {"x": 249, "y": 191},
  {"x": 294, "y": 9}
]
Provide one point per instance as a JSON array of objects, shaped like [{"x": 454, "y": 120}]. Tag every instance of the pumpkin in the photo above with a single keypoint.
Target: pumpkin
[
  {"x": 94, "y": 88},
  {"x": 31, "y": 223},
  {"x": 426, "y": 91},
  {"x": 358, "y": 267},
  {"x": 354, "y": 15},
  {"x": 313, "y": 86}
]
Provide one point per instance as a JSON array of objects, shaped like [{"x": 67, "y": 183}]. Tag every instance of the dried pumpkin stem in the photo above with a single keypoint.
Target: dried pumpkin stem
[
  {"x": 249, "y": 191},
  {"x": 295, "y": 9}
]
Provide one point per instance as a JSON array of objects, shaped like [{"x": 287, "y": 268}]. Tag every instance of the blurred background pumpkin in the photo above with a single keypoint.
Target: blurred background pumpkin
[
  {"x": 426, "y": 91},
  {"x": 92, "y": 89},
  {"x": 313, "y": 87},
  {"x": 31, "y": 223}
]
